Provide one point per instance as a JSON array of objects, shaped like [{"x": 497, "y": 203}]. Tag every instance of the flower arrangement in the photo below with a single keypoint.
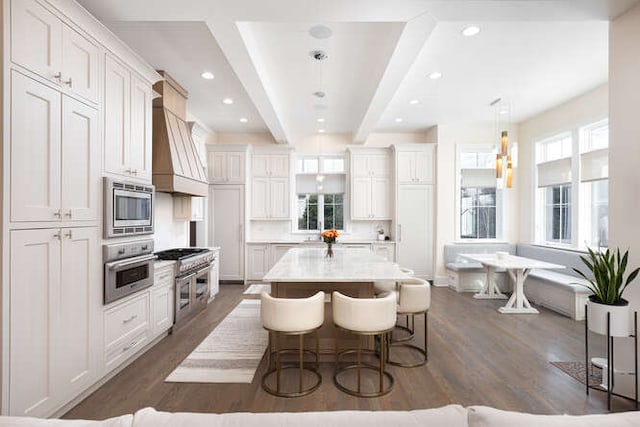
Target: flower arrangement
[{"x": 329, "y": 237}]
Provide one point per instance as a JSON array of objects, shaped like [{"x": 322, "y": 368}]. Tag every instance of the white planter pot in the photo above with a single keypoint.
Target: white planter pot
[
  {"x": 620, "y": 319},
  {"x": 381, "y": 236}
]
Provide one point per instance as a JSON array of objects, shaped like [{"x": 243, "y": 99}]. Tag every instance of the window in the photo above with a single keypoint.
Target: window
[
  {"x": 480, "y": 202},
  {"x": 572, "y": 204},
  {"x": 320, "y": 192}
]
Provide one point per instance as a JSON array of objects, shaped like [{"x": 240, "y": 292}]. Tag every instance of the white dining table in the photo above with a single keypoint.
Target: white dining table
[{"x": 518, "y": 269}]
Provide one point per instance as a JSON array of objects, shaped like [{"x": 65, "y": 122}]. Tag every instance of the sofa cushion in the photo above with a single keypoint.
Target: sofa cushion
[
  {"x": 447, "y": 416},
  {"x": 570, "y": 283},
  {"x": 122, "y": 421},
  {"x": 483, "y": 416}
]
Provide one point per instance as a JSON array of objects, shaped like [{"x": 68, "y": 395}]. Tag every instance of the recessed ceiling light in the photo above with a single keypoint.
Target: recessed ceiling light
[
  {"x": 398, "y": 120},
  {"x": 470, "y": 31},
  {"x": 208, "y": 75},
  {"x": 320, "y": 120},
  {"x": 321, "y": 131},
  {"x": 414, "y": 102},
  {"x": 320, "y": 32},
  {"x": 243, "y": 120},
  {"x": 503, "y": 111},
  {"x": 435, "y": 75},
  {"x": 227, "y": 101}
]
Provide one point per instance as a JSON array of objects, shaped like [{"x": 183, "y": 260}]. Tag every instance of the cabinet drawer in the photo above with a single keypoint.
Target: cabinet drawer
[
  {"x": 120, "y": 352},
  {"x": 126, "y": 321},
  {"x": 163, "y": 277}
]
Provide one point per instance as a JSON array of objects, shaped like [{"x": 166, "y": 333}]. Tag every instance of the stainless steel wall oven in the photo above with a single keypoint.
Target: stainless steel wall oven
[{"x": 128, "y": 268}]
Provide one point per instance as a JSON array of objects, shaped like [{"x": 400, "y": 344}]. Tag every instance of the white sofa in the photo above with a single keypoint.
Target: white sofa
[{"x": 446, "y": 416}]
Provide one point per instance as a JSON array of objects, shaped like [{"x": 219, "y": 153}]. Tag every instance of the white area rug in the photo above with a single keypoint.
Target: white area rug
[
  {"x": 232, "y": 351},
  {"x": 257, "y": 289}
]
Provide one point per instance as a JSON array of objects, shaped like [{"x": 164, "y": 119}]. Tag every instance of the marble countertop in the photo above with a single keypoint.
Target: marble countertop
[
  {"x": 317, "y": 242},
  {"x": 306, "y": 264}
]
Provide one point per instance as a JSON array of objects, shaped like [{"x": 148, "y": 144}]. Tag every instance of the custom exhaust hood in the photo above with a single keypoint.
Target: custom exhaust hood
[{"x": 176, "y": 165}]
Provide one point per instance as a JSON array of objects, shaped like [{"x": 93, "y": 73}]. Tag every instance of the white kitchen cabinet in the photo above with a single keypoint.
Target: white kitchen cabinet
[
  {"x": 55, "y": 327},
  {"x": 226, "y": 167},
  {"x": 385, "y": 250},
  {"x": 270, "y": 198},
  {"x": 415, "y": 167},
  {"x": 43, "y": 44},
  {"x": 414, "y": 234},
  {"x": 188, "y": 208},
  {"x": 127, "y": 122},
  {"x": 163, "y": 296},
  {"x": 257, "y": 260},
  {"x": 55, "y": 173},
  {"x": 270, "y": 165},
  {"x": 226, "y": 227},
  {"x": 197, "y": 208},
  {"x": 370, "y": 185},
  {"x": 214, "y": 275},
  {"x": 278, "y": 250}
]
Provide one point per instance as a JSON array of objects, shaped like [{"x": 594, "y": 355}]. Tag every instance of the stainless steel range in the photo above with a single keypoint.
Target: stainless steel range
[{"x": 192, "y": 280}]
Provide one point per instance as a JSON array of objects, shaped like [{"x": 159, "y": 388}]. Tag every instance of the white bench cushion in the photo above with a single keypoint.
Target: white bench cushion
[{"x": 464, "y": 266}]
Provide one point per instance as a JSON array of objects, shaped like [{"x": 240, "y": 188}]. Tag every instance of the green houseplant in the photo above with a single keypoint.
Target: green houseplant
[{"x": 607, "y": 283}]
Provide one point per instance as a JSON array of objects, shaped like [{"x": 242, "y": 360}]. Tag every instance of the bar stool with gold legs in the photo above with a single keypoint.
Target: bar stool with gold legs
[
  {"x": 414, "y": 298},
  {"x": 363, "y": 317},
  {"x": 407, "y": 327},
  {"x": 291, "y": 317}
]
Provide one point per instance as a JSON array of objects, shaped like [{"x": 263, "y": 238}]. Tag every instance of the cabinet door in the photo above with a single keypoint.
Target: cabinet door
[
  {"x": 36, "y": 39},
  {"x": 116, "y": 117},
  {"x": 279, "y": 166},
  {"x": 257, "y": 261},
  {"x": 34, "y": 282},
  {"x": 414, "y": 235},
  {"x": 197, "y": 208},
  {"x": 235, "y": 168},
  {"x": 79, "y": 306},
  {"x": 80, "y": 161},
  {"x": 380, "y": 198},
  {"x": 80, "y": 65},
  {"x": 385, "y": 251},
  {"x": 406, "y": 166},
  {"x": 278, "y": 198},
  {"x": 163, "y": 307},
  {"x": 379, "y": 165},
  {"x": 278, "y": 251},
  {"x": 260, "y": 198},
  {"x": 424, "y": 167},
  {"x": 361, "y": 198},
  {"x": 260, "y": 165},
  {"x": 181, "y": 208},
  {"x": 35, "y": 150},
  {"x": 359, "y": 165},
  {"x": 140, "y": 139},
  {"x": 226, "y": 226},
  {"x": 216, "y": 162}
]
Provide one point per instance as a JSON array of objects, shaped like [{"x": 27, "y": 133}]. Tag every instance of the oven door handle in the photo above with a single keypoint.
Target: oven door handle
[
  {"x": 202, "y": 270},
  {"x": 120, "y": 264}
]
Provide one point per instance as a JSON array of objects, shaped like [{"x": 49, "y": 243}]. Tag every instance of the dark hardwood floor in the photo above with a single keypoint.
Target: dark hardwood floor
[{"x": 477, "y": 356}]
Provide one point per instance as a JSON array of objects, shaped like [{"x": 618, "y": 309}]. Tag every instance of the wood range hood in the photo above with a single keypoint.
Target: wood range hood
[{"x": 176, "y": 165}]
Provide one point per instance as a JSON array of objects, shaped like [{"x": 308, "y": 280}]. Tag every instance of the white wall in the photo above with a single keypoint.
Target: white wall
[
  {"x": 624, "y": 145},
  {"x": 448, "y": 136},
  {"x": 579, "y": 111},
  {"x": 168, "y": 233}
]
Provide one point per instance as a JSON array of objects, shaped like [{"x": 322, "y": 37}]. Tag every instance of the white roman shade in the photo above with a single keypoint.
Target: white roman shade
[
  {"x": 555, "y": 172},
  {"x": 485, "y": 177},
  {"x": 594, "y": 165},
  {"x": 332, "y": 184}
]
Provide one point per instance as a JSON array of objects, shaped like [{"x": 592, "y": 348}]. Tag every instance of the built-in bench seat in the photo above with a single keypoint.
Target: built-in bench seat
[
  {"x": 467, "y": 276},
  {"x": 558, "y": 290}
]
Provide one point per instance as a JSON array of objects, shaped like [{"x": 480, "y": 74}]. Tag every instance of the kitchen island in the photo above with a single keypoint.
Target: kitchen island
[{"x": 302, "y": 272}]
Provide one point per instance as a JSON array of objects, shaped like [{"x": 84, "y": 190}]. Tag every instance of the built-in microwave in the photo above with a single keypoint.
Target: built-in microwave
[{"x": 128, "y": 208}]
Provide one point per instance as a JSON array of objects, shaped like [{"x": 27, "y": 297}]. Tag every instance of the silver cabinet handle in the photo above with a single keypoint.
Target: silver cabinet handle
[
  {"x": 69, "y": 234},
  {"x": 67, "y": 82},
  {"x": 125, "y": 321},
  {"x": 135, "y": 260},
  {"x": 399, "y": 232},
  {"x": 69, "y": 214},
  {"x": 164, "y": 276},
  {"x": 58, "y": 76},
  {"x": 241, "y": 232},
  {"x": 57, "y": 236},
  {"x": 58, "y": 213},
  {"x": 130, "y": 346}
]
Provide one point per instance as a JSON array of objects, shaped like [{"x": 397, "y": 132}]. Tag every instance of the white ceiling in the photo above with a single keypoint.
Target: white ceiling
[{"x": 532, "y": 54}]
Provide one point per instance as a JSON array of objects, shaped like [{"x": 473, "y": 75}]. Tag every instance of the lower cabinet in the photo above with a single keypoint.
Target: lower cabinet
[
  {"x": 163, "y": 297},
  {"x": 55, "y": 317},
  {"x": 257, "y": 260},
  {"x": 385, "y": 250}
]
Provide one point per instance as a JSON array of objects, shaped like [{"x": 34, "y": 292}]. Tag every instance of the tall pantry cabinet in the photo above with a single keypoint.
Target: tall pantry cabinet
[
  {"x": 53, "y": 133},
  {"x": 415, "y": 185}
]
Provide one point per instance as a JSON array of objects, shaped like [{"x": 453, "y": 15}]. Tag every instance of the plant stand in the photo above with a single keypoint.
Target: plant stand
[{"x": 609, "y": 358}]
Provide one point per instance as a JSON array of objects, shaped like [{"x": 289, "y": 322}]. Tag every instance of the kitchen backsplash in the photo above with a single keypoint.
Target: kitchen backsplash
[
  {"x": 168, "y": 233},
  {"x": 281, "y": 231}
]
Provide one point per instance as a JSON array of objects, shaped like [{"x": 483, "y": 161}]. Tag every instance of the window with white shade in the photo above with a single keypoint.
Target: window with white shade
[
  {"x": 320, "y": 193},
  {"x": 480, "y": 200},
  {"x": 572, "y": 171}
]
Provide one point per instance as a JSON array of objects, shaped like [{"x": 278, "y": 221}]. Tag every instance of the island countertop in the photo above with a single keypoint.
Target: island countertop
[{"x": 347, "y": 265}]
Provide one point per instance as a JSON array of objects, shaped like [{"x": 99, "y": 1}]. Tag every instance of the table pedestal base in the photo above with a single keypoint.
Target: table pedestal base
[
  {"x": 524, "y": 310},
  {"x": 490, "y": 289},
  {"x": 518, "y": 303}
]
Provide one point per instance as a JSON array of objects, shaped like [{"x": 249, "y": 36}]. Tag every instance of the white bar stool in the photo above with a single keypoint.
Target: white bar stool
[
  {"x": 414, "y": 298},
  {"x": 291, "y": 316},
  {"x": 364, "y": 317}
]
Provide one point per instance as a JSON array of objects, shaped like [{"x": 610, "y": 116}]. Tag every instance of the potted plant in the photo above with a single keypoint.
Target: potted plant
[
  {"x": 380, "y": 233},
  {"x": 607, "y": 283}
]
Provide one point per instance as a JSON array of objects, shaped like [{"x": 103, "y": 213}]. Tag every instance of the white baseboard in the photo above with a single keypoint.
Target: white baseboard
[{"x": 441, "y": 281}]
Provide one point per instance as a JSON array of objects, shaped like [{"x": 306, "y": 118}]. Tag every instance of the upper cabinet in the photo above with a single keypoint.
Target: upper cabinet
[
  {"x": 127, "y": 122},
  {"x": 370, "y": 184},
  {"x": 43, "y": 44},
  {"x": 227, "y": 167},
  {"x": 55, "y": 156},
  {"x": 415, "y": 167},
  {"x": 270, "y": 165},
  {"x": 270, "y": 185}
]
